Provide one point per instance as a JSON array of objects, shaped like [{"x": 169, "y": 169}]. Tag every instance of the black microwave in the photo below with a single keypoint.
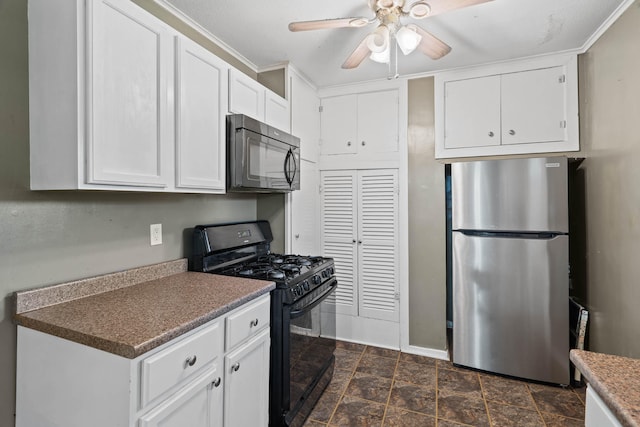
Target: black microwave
[{"x": 261, "y": 158}]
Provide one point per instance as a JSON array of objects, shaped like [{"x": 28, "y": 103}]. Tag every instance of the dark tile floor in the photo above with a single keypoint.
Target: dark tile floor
[{"x": 378, "y": 387}]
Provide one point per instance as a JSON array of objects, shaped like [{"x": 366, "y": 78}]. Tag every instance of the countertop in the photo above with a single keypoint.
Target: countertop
[
  {"x": 616, "y": 379},
  {"x": 139, "y": 316}
]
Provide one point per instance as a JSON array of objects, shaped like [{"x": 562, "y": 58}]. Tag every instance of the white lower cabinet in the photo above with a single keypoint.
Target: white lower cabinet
[
  {"x": 189, "y": 381},
  {"x": 247, "y": 383},
  {"x": 597, "y": 414},
  {"x": 197, "y": 405}
]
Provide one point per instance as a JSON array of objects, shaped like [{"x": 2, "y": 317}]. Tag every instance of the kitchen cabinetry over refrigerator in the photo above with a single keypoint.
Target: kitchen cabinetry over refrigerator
[{"x": 360, "y": 231}]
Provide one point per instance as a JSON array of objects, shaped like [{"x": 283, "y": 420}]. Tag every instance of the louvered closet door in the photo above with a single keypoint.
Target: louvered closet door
[
  {"x": 339, "y": 233},
  {"x": 378, "y": 244}
]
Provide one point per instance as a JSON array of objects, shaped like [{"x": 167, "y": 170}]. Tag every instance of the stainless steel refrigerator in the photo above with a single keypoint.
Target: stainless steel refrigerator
[{"x": 510, "y": 267}]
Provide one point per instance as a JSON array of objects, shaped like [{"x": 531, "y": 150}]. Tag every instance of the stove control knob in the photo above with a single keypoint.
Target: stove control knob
[
  {"x": 331, "y": 270},
  {"x": 299, "y": 290},
  {"x": 316, "y": 280},
  {"x": 305, "y": 285}
]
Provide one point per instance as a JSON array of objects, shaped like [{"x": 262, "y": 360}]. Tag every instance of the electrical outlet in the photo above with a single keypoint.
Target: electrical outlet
[{"x": 156, "y": 234}]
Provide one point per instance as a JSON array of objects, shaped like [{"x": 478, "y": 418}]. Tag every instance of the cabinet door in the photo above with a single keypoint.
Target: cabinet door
[
  {"x": 276, "y": 111},
  {"x": 378, "y": 122},
  {"x": 129, "y": 62},
  {"x": 534, "y": 106},
  {"x": 472, "y": 112},
  {"x": 305, "y": 118},
  {"x": 246, "y": 96},
  {"x": 246, "y": 389},
  {"x": 339, "y": 234},
  {"x": 201, "y": 90},
  {"x": 304, "y": 211},
  {"x": 197, "y": 405},
  {"x": 338, "y": 125},
  {"x": 378, "y": 244}
]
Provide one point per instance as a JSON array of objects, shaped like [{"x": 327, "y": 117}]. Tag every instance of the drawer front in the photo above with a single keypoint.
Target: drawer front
[
  {"x": 173, "y": 365},
  {"x": 247, "y": 321}
]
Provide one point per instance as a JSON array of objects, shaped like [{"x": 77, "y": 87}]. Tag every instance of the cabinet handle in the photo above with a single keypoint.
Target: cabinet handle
[
  {"x": 348, "y": 143},
  {"x": 363, "y": 143},
  {"x": 491, "y": 134},
  {"x": 512, "y": 132},
  {"x": 190, "y": 361},
  {"x": 235, "y": 367},
  {"x": 216, "y": 382},
  {"x": 253, "y": 323}
]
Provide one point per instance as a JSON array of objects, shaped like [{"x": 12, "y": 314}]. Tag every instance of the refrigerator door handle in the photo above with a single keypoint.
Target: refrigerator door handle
[{"x": 545, "y": 235}]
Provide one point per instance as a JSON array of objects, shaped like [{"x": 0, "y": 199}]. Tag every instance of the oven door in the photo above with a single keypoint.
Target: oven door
[
  {"x": 311, "y": 356},
  {"x": 263, "y": 163}
]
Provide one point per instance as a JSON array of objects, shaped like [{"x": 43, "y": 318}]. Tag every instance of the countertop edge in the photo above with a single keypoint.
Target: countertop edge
[
  {"x": 599, "y": 386},
  {"x": 130, "y": 351}
]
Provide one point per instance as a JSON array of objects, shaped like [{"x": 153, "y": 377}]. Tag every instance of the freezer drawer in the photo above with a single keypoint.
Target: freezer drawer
[
  {"x": 510, "y": 195},
  {"x": 510, "y": 306}
]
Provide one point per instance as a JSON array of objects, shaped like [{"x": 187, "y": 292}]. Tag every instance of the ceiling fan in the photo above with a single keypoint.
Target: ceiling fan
[{"x": 388, "y": 14}]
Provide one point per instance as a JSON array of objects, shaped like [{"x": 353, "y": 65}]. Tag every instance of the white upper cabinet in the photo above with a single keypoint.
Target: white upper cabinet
[
  {"x": 129, "y": 56},
  {"x": 529, "y": 107},
  {"x": 246, "y": 96},
  {"x": 201, "y": 85},
  {"x": 305, "y": 117},
  {"x": 363, "y": 123},
  {"x": 121, "y": 101},
  {"x": 249, "y": 97}
]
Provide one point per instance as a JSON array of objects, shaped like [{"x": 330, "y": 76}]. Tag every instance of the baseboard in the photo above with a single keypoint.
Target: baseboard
[{"x": 428, "y": 352}]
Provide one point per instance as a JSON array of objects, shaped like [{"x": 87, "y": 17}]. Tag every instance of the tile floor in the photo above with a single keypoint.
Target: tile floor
[{"x": 378, "y": 387}]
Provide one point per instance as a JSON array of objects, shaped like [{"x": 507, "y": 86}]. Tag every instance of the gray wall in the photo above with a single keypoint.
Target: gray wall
[
  {"x": 610, "y": 140},
  {"x": 51, "y": 237},
  {"x": 427, "y": 263}
]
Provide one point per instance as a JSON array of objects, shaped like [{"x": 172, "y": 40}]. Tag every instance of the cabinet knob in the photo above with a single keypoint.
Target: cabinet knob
[
  {"x": 363, "y": 143},
  {"x": 297, "y": 236},
  {"x": 359, "y": 242},
  {"x": 512, "y": 132},
  {"x": 491, "y": 134},
  {"x": 353, "y": 241},
  {"x": 190, "y": 361},
  {"x": 235, "y": 367},
  {"x": 216, "y": 382},
  {"x": 253, "y": 323},
  {"x": 348, "y": 143}
]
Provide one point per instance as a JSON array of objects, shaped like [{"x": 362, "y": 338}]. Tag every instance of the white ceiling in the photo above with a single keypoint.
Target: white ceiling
[{"x": 495, "y": 31}]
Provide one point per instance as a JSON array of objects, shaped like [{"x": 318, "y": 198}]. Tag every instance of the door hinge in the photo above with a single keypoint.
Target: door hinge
[
  {"x": 319, "y": 189},
  {"x": 320, "y": 109},
  {"x": 396, "y": 296},
  {"x": 563, "y": 124},
  {"x": 562, "y": 79}
]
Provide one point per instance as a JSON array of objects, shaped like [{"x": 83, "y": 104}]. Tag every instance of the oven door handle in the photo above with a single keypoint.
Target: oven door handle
[{"x": 315, "y": 302}]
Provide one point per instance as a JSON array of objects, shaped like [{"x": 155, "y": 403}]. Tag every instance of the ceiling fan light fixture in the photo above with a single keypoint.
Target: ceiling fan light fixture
[
  {"x": 419, "y": 10},
  {"x": 378, "y": 41},
  {"x": 408, "y": 39},
  {"x": 381, "y": 57}
]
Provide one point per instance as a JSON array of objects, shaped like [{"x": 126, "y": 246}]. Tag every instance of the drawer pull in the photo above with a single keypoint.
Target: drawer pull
[
  {"x": 190, "y": 361},
  {"x": 235, "y": 367},
  {"x": 253, "y": 323},
  {"x": 216, "y": 382}
]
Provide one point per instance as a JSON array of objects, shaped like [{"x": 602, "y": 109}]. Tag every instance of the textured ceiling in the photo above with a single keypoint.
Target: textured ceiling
[{"x": 495, "y": 31}]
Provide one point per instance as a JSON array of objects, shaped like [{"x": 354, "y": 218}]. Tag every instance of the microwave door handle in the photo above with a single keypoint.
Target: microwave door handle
[
  {"x": 295, "y": 168},
  {"x": 287, "y": 159}
]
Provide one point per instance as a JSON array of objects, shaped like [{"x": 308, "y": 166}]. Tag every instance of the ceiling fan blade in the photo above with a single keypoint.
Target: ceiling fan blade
[
  {"x": 430, "y": 45},
  {"x": 358, "y": 55},
  {"x": 328, "y": 23},
  {"x": 441, "y": 6}
]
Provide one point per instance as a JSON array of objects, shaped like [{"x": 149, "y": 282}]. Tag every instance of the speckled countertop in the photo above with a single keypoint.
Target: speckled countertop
[
  {"x": 616, "y": 379},
  {"x": 133, "y": 319}
]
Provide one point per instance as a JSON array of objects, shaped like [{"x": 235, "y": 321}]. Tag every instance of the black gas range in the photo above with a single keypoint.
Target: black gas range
[{"x": 302, "y": 310}]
